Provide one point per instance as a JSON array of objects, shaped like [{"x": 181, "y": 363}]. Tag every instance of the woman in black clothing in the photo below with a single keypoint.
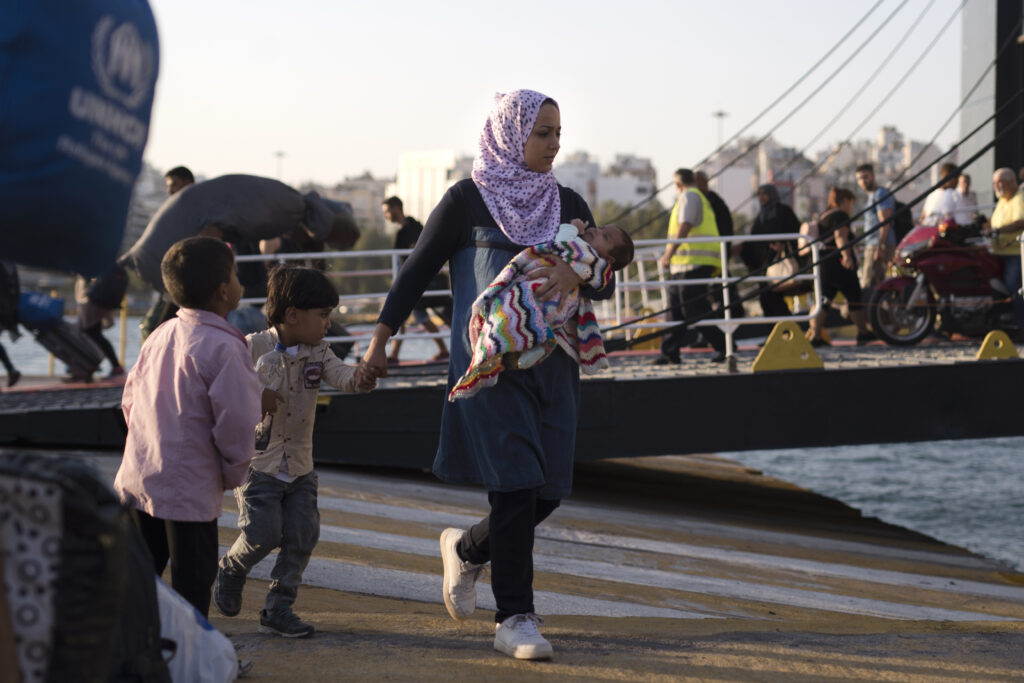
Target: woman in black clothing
[
  {"x": 517, "y": 438},
  {"x": 773, "y": 218},
  {"x": 838, "y": 273}
]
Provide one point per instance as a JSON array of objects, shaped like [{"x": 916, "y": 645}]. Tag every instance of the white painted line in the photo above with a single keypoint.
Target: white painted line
[
  {"x": 392, "y": 583},
  {"x": 554, "y": 532},
  {"x": 679, "y": 581}
]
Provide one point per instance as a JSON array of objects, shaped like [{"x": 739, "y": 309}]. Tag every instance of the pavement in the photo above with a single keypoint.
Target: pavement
[{"x": 657, "y": 569}]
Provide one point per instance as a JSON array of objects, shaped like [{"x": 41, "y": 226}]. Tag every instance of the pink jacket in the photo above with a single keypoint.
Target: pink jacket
[{"x": 192, "y": 402}]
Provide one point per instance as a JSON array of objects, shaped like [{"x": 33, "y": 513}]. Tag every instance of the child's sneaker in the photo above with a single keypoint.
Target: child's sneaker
[
  {"x": 460, "y": 577},
  {"x": 285, "y": 624},
  {"x": 227, "y": 593},
  {"x": 519, "y": 637}
]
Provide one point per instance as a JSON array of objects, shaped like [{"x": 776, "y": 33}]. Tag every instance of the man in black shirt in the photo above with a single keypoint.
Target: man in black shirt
[
  {"x": 723, "y": 218},
  {"x": 406, "y": 238}
]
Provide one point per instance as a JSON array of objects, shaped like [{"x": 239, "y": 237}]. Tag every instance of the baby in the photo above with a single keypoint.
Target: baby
[{"x": 510, "y": 329}]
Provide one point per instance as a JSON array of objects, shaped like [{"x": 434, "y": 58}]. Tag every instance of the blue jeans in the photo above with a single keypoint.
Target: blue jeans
[
  {"x": 1012, "y": 278},
  {"x": 275, "y": 514}
]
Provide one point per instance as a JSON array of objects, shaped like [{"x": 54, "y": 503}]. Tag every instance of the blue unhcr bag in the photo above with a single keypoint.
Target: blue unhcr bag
[{"x": 76, "y": 91}]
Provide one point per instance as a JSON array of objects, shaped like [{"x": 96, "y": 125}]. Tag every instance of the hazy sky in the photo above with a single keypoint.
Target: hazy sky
[{"x": 342, "y": 87}]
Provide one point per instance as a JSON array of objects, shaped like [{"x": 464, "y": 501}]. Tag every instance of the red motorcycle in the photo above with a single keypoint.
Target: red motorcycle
[{"x": 947, "y": 272}]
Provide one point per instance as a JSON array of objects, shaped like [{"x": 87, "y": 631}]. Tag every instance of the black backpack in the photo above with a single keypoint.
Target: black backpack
[
  {"x": 84, "y": 595},
  {"x": 902, "y": 220}
]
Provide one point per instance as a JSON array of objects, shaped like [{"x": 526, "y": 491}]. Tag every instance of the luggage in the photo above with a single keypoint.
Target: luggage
[
  {"x": 72, "y": 346},
  {"x": 37, "y": 310},
  {"x": 107, "y": 290},
  {"x": 78, "y": 578}
]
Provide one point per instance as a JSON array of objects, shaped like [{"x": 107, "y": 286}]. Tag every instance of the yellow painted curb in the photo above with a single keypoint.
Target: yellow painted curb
[
  {"x": 996, "y": 345},
  {"x": 787, "y": 349}
]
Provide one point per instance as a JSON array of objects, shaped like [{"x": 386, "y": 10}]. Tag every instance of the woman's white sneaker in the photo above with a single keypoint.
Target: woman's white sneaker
[
  {"x": 460, "y": 577},
  {"x": 519, "y": 637}
]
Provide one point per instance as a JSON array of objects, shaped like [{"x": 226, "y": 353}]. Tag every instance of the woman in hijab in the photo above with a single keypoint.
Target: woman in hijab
[
  {"x": 773, "y": 218},
  {"x": 517, "y": 438}
]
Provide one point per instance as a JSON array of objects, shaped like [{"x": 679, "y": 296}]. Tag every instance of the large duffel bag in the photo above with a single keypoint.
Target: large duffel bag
[{"x": 72, "y": 346}]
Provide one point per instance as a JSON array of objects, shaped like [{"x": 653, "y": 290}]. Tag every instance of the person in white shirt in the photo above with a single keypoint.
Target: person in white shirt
[
  {"x": 968, "y": 200},
  {"x": 943, "y": 202}
]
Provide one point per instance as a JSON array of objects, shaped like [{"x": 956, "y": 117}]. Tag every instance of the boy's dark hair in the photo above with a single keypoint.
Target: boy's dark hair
[
  {"x": 181, "y": 173},
  {"x": 194, "y": 268},
  {"x": 394, "y": 203},
  {"x": 865, "y": 168},
  {"x": 302, "y": 288},
  {"x": 623, "y": 251}
]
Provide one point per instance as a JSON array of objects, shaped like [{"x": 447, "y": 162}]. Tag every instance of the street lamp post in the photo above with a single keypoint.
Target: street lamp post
[
  {"x": 279, "y": 155},
  {"x": 719, "y": 115}
]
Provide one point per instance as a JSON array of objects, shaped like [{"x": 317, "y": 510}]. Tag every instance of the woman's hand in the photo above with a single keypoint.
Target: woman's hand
[
  {"x": 562, "y": 281},
  {"x": 375, "y": 358},
  {"x": 846, "y": 258}
]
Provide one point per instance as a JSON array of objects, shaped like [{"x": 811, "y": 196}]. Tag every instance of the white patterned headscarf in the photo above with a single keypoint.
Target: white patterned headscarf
[{"x": 525, "y": 204}]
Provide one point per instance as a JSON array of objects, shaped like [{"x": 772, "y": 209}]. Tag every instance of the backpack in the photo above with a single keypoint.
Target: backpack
[
  {"x": 80, "y": 579},
  {"x": 902, "y": 220}
]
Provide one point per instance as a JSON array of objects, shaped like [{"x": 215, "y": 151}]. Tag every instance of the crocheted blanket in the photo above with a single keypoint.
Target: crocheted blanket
[{"x": 510, "y": 329}]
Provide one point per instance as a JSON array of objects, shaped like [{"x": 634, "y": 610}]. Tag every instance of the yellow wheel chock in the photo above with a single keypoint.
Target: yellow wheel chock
[
  {"x": 996, "y": 345},
  {"x": 787, "y": 349}
]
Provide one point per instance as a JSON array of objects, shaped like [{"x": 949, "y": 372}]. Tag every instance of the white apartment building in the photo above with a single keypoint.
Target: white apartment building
[
  {"x": 626, "y": 181},
  {"x": 424, "y": 177}
]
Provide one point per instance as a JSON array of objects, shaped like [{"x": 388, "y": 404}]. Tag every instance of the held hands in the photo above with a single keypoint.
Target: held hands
[
  {"x": 365, "y": 377},
  {"x": 375, "y": 359},
  {"x": 270, "y": 401}
]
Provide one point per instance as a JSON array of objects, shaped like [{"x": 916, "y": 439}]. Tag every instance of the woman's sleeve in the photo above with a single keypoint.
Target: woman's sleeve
[{"x": 441, "y": 236}]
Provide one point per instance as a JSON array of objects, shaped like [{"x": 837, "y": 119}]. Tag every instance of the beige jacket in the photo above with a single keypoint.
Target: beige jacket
[{"x": 291, "y": 435}]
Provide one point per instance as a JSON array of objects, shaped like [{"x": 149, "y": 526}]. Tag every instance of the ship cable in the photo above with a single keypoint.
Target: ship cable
[{"x": 764, "y": 111}]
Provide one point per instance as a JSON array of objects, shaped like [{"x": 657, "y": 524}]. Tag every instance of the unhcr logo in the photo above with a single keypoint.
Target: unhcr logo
[{"x": 124, "y": 63}]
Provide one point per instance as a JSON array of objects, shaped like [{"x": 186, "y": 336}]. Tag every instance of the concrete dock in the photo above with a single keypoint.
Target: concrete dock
[{"x": 659, "y": 569}]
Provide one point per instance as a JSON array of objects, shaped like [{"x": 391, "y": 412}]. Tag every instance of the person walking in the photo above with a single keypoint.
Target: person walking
[
  {"x": 773, "y": 218},
  {"x": 692, "y": 216},
  {"x": 517, "y": 438},
  {"x": 191, "y": 403},
  {"x": 408, "y": 232},
  {"x": 880, "y": 243}
]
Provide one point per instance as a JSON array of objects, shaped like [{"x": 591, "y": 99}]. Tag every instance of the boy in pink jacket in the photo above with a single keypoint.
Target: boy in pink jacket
[{"x": 191, "y": 402}]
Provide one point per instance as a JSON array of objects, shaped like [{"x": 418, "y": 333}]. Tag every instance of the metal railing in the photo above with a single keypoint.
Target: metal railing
[{"x": 613, "y": 311}]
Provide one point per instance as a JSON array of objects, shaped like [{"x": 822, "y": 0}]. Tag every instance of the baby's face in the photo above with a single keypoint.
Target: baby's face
[{"x": 602, "y": 238}]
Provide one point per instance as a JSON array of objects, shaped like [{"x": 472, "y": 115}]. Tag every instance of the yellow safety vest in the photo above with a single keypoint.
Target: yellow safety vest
[{"x": 702, "y": 253}]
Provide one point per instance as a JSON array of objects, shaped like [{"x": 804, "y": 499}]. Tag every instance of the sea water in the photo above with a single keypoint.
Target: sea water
[{"x": 968, "y": 493}]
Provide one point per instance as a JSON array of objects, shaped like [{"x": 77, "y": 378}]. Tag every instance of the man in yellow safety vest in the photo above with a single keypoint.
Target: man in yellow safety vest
[{"x": 692, "y": 216}]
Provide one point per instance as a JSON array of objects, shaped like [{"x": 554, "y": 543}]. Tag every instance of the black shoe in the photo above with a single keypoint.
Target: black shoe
[
  {"x": 227, "y": 593},
  {"x": 719, "y": 357},
  {"x": 865, "y": 337},
  {"x": 285, "y": 624},
  {"x": 820, "y": 341},
  {"x": 665, "y": 360},
  {"x": 13, "y": 378}
]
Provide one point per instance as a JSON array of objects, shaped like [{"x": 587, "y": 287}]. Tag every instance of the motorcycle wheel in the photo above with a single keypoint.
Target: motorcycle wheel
[{"x": 897, "y": 324}]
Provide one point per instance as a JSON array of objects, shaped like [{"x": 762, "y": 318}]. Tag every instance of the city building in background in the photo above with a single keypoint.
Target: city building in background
[
  {"x": 424, "y": 177},
  {"x": 626, "y": 181}
]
